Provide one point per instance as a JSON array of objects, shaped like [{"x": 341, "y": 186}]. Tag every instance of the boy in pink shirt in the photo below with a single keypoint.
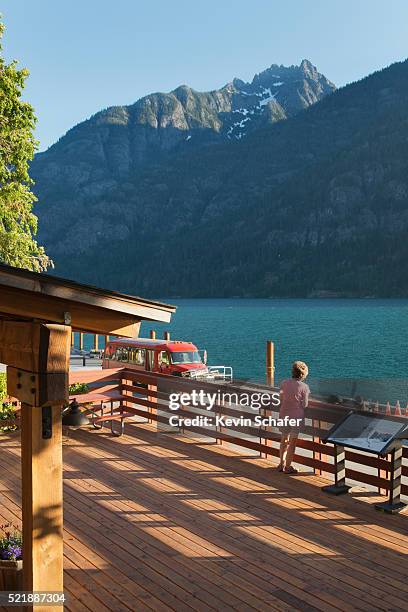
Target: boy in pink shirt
[{"x": 294, "y": 395}]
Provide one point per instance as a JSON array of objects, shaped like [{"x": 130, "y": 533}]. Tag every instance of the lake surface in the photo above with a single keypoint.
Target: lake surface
[{"x": 339, "y": 339}]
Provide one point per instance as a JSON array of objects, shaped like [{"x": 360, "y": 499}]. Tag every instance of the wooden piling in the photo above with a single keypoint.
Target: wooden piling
[
  {"x": 270, "y": 363},
  {"x": 153, "y": 334},
  {"x": 166, "y": 335}
]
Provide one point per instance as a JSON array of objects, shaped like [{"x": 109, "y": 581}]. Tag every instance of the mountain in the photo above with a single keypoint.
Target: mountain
[
  {"x": 316, "y": 204},
  {"x": 76, "y": 175},
  {"x": 120, "y": 138}
]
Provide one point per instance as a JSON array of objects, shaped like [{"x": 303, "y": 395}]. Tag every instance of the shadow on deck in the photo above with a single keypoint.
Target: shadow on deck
[{"x": 159, "y": 522}]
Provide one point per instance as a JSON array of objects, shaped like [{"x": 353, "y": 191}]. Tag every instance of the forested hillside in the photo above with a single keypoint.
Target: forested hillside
[{"x": 316, "y": 204}]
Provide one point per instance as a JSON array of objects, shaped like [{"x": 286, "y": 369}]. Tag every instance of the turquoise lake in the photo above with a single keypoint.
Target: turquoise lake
[{"x": 340, "y": 339}]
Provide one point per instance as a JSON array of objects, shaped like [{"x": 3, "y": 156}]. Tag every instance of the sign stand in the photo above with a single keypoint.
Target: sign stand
[
  {"x": 394, "y": 505},
  {"x": 377, "y": 434},
  {"x": 339, "y": 487}
]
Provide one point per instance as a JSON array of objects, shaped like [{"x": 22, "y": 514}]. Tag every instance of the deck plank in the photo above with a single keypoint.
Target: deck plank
[
  {"x": 365, "y": 594},
  {"x": 155, "y": 522},
  {"x": 293, "y": 500}
]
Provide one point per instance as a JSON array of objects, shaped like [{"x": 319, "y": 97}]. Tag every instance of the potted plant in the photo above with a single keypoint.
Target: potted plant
[
  {"x": 8, "y": 421},
  {"x": 78, "y": 388},
  {"x": 11, "y": 564}
]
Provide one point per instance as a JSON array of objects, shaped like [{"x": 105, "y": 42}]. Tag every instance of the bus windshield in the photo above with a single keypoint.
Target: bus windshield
[{"x": 186, "y": 357}]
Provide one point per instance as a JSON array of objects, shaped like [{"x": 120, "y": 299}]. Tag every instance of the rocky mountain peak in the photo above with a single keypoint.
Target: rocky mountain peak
[
  {"x": 121, "y": 139},
  {"x": 308, "y": 69}
]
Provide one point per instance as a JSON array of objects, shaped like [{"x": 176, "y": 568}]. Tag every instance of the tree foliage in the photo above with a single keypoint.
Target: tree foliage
[{"x": 18, "y": 224}]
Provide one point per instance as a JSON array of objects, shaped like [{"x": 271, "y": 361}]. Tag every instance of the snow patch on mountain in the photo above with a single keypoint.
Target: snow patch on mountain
[
  {"x": 263, "y": 95},
  {"x": 269, "y": 98}
]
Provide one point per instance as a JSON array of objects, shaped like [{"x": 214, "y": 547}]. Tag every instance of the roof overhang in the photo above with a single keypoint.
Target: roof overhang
[{"x": 26, "y": 295}]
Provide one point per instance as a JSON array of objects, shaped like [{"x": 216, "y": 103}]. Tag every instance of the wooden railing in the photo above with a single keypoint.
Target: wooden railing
[{"x": 146, "y": 395}]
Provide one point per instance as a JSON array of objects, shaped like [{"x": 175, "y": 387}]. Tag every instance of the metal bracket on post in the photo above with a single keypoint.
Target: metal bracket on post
[
  {"x": 46, "y": 422},
  {"x": 394, "y": 504},
  {"x": 339, "y": 487}
]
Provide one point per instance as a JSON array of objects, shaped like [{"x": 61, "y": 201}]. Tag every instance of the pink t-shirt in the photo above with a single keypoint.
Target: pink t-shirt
[{"x": 294, "y": 398}]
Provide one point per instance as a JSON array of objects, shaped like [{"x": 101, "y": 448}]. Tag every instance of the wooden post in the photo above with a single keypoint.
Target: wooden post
[
  {"x": 81, "y": 341},
  {"x": 123, "y": 392},
  {"x": 37, "y": 375},
  {"x": 153, "y": 400},
  {"x": 166, "y": 335},
  {"x": 316, "y": 438},
  {"x": 270, "y": 380},
  {"x": 219, "y": 411},
  {"x": 267, "y": 442},
  {"x": 152, "y": 334},
  {"x": 41, "y": 461},
  {"x": 72, "y": 339},
  {"x": 270, "y": 363},
  {"x": 96, "y": 342}
]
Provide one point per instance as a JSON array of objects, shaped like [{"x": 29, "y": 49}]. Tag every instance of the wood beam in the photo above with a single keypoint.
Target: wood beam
[
  {"x": 62, "y": 290},
  {"x": 35, "y": 347},
  {"x": 84, "y": 317}
]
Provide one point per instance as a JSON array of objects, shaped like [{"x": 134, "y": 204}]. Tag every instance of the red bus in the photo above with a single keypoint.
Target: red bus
[{"x": 164, "y": 356}]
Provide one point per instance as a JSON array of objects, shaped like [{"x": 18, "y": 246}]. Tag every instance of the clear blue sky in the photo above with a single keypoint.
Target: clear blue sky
[{"x": 85, "y": 55}]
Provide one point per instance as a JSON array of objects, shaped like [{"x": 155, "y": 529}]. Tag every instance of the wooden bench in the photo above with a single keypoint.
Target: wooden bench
[{"x": 117, "y": 413}]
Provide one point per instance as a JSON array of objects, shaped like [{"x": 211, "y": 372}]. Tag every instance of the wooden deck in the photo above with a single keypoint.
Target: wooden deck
[{"x": 158, "y": 522}]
